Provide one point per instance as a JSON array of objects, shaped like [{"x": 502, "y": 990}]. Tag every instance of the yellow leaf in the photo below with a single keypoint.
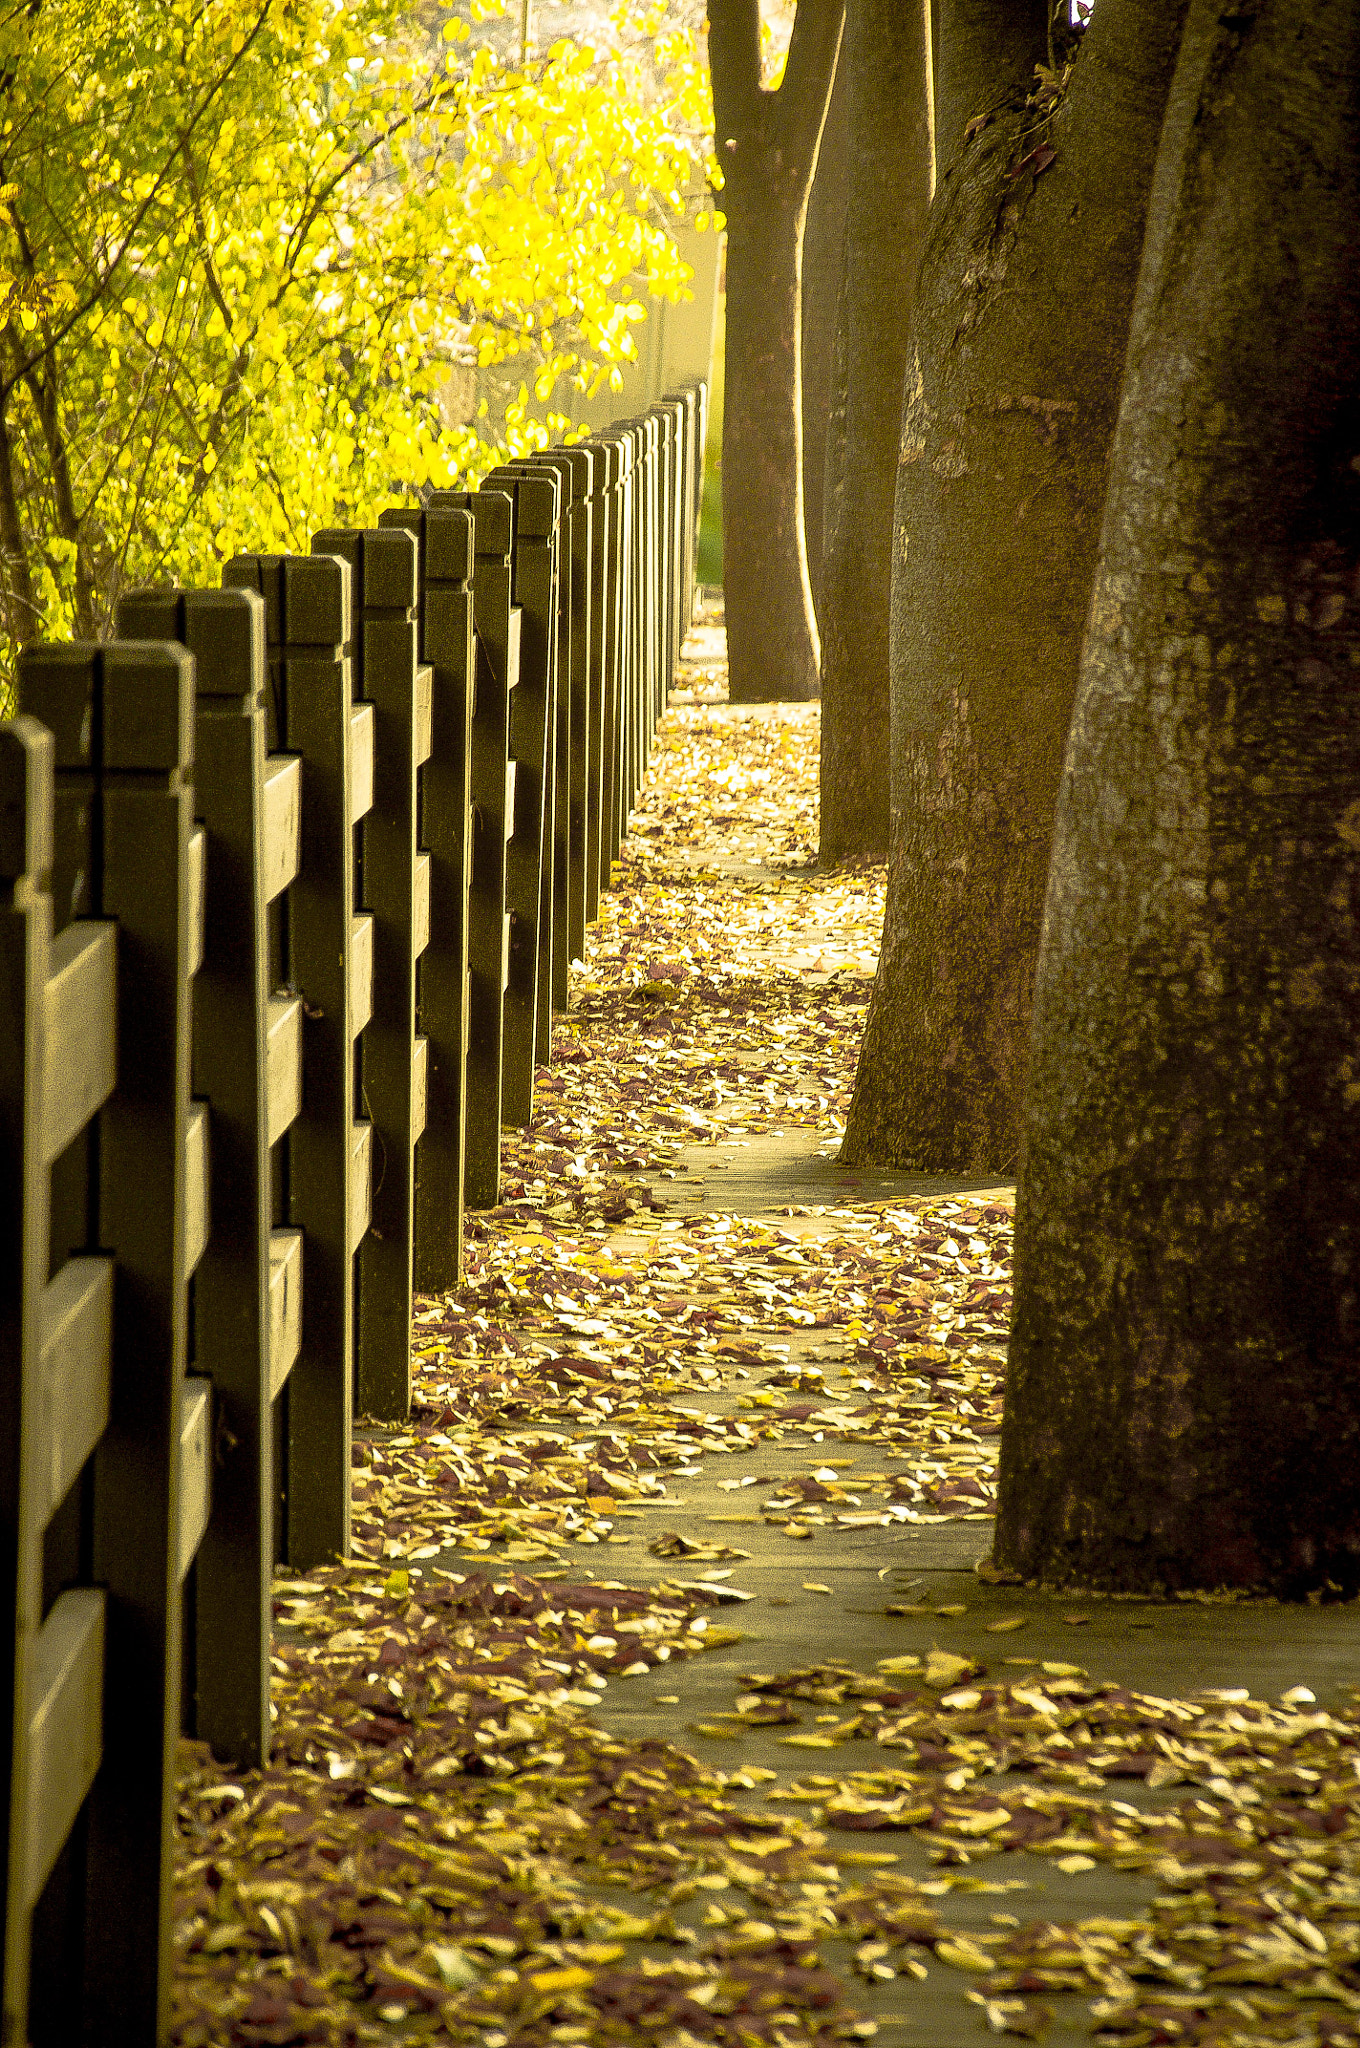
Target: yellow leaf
[
  {"x": 561, "y": 1980},
  {"x": 964, "y": 1954}
]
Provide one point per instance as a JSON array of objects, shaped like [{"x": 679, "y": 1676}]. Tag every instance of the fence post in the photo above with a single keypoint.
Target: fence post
[
  {"x": 529, "y": 851},
  {"x": 122, "y": 716},
  {"x": 393, "y": 886},
  {"x": 496, "y": 624},
  {"x": 652, "y": 559},
  {"x": 25, "y": 934},
  {"x": 687, "y": 400},
  {"x": 555, "y": 894},
  {"x": 570, "y": 683},
  {"x": 444, "y": 615},
  {"x": 635, "y": 600},
  {"x": 700, "y": 464},
  {"x": 224, "y": 630},
  {"x": 671, "y": 413},
  {"x": 307, "y": 621},
  {"x": 606, "y": 629}
]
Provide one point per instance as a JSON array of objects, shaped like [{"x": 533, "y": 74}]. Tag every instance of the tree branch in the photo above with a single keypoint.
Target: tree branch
[
  {"x": 801, "y": 102},
  {"x": 109, "y": 269},
  {"x": 23, "y": 616},
  {"x": 734, "y": 65}
]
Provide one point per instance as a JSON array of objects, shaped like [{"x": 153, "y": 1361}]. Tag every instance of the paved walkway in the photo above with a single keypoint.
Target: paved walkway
[{"x": 706, "y": 1386}]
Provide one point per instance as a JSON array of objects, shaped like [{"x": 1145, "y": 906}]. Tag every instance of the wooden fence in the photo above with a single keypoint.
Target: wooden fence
[{"x": 291, "y": 875}]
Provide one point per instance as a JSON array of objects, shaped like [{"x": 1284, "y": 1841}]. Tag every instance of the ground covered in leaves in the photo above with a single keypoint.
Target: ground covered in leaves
[{"x": 451, "y": 1845}]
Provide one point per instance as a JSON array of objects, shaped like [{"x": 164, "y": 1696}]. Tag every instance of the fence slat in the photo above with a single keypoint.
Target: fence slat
[
  {"x": 361, "y": 745},
  {"x": 77, "y": 1336},
  {"x": 282, "y": 822},
  {"x": 420, "y": 905},
  {"x": 420, "y": 1084},
  {"x": 197, "y": 882},
  {"x": 197, "y": 1200},
  {"x": 65, "y": 1728},
  {"x": 361, "y": 1183},
  {"x": 360, "y": 1006},
  {"x": 195, "y": 1468},
  {"x": 283, "y": 1064},
  {"x": 285, "y": 1306},
  {"x": 80, "y": 1057}
]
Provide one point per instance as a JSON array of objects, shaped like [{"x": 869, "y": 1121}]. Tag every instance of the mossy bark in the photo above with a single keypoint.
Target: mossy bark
[
  {"x": 767, "y": 146},
  {"x": 985, "y": 54},
  {"x": 1022, "y": 313},
  {"x": 1183, "y": 1408},
  {"x": 892, "y": 177}
]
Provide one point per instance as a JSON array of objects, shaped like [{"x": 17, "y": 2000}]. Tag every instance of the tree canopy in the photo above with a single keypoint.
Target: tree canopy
[{"x": 244, "y": 243}]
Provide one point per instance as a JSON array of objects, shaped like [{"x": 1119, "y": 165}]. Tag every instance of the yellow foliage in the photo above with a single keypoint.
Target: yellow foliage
[{"x": 244, "y": 245}]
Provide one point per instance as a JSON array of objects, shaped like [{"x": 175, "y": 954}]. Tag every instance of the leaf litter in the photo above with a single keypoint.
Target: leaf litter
[{"x": 448, "y": 1846}]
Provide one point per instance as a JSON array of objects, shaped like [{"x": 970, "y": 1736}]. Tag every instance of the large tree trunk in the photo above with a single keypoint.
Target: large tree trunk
[
  {"x": 892, "y": 179},
  {"x": 823, "y": 268},
  {"x": 1022, "y": 315},
  {"x": 1183, "y": 1407},
  {"x": 767, "y": 145},
  {"x": 985, "y": 54}
]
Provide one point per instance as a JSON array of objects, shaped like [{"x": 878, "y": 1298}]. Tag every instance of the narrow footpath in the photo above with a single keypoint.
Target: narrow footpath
[{"x": 662, "y": 1699}]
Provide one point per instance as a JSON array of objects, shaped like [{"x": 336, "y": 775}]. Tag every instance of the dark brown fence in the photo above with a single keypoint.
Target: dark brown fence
[{"x": 291, "y": 876}]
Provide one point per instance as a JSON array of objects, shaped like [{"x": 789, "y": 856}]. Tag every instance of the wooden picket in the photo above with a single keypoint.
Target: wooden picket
[{"x": 291, "y": 876}]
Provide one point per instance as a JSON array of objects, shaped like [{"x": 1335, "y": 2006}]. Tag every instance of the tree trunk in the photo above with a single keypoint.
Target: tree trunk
[
  {"x": 19, "y": 607},
  {"x": 823, "y": 265},
  {"x": 767, "y": 145},
  {"x": 1183, "y": 1407},
  {"x": 1022, "y": 314},
  {"x": 771, "y": 626},
  {"x": 985, "y": 54},
  {"x": 892, "y": 179}
]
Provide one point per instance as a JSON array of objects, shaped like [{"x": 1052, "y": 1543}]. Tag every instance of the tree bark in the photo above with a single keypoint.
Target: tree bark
[
  {"x": 1021, "y": 326},
  {"x": 18, "y": 602},
  {"x": 892, "y": 180},
  {"x": 1182, "y": 1405},
  {"x": 985, "y": 54},
  {"x": 767, "y": 145},
  {"x": 823, "y": 267}
]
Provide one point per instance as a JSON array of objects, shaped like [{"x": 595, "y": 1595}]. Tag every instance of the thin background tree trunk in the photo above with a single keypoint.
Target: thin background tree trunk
[
  {"x": 1182, "y": 1404},
  {"x": 1022, "y": 312},
  {"x": 823, "y": 269},
  {"x": 887, "y": 60},
  {"x": 767, "y": 145}
]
